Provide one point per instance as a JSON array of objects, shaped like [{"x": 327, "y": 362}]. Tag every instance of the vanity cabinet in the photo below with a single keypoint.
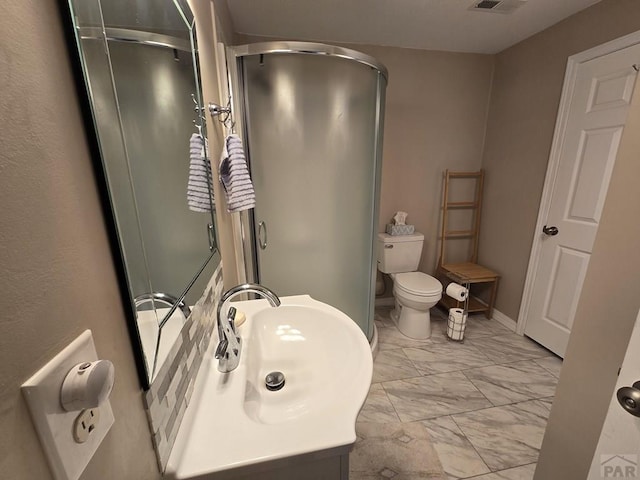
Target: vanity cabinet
[{"x": 330, "y": 464}]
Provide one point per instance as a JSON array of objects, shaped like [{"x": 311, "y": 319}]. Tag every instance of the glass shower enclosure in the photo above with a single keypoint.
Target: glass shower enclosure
[{"x": 311, "y": 117}]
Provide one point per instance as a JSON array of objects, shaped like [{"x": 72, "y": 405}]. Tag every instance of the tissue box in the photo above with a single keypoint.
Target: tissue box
[{"x": 400, "y": 229}]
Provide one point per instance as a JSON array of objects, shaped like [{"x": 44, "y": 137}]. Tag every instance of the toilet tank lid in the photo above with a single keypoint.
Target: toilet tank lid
[{"x": 414, "y": 237}]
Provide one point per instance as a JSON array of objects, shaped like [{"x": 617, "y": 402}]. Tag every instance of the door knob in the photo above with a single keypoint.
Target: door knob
[
  {"x": 551, "y": 231},
  {"x": 629, "y": 399}
]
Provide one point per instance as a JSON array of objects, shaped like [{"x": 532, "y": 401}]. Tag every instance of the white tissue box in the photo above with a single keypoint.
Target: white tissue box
[{"x": 400, "y": 229}]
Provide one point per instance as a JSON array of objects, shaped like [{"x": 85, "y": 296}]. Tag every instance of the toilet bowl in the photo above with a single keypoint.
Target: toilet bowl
[{"x": 415, "y": 294}]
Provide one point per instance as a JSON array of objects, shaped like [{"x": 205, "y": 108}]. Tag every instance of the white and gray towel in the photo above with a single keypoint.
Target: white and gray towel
[
  {"x": 234, "y": 175},
  {"x": 200, "y": 176}
]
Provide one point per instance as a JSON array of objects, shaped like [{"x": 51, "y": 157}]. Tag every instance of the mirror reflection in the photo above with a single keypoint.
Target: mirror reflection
[{"x": 141, "y": 70}]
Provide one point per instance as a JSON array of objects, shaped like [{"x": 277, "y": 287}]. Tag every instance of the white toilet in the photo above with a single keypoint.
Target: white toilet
[{"x": 415, "y": 292}]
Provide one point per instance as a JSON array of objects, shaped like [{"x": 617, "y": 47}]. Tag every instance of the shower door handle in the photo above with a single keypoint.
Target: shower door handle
[
  {"x": 262, "y": 235},
  {"x": 211, "y": 236}
]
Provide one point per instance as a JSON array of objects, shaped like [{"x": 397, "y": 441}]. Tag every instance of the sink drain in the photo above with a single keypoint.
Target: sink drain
[{"x": 274, "y": 381}]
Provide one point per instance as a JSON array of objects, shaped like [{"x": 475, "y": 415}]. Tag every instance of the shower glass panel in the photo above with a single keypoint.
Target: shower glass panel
[
  {"x": 313, "y": 141},
  {"x": 154, "y": 87}
]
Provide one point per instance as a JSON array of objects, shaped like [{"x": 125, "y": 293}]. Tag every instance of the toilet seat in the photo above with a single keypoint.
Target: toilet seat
[{"x": 418, "y": 284}]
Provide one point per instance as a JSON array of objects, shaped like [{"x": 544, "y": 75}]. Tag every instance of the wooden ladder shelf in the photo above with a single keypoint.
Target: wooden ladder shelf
[{"x": 468, "y": 272}]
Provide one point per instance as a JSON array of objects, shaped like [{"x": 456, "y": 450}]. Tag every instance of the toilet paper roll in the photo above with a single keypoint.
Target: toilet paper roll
[
  {"x": 457, "y": 292},
  {"x": 456, "y": 324}
]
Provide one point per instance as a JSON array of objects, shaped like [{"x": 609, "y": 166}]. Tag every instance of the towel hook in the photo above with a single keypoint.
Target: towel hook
[
  {"x": 198, "y": 127},
  {"x": 216, "y": 110},
  {"x": 224, "y": 114},
  {"x": 199, "y": 121},
  {"x": 197, "y": 108},
  {"x": 230, "y": 123}
]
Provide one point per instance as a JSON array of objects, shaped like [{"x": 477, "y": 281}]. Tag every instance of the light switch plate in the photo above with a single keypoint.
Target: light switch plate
[{"x": 54, "y": 425}]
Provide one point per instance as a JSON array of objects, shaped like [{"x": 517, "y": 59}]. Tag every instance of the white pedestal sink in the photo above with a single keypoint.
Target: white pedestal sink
[{"x": 235, "y": 427}]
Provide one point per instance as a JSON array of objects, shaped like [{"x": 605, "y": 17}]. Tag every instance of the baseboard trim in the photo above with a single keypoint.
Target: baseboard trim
[
  {"x": 385, "y": 302},
  {"x": 505, "y": 321}
]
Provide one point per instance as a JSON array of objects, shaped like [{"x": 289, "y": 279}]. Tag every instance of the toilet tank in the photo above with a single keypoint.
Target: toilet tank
[{"x": 399, "y": 253}]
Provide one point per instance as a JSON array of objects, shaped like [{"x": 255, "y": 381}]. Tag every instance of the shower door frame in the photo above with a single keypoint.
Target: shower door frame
[{"x": 244, "y": 234}]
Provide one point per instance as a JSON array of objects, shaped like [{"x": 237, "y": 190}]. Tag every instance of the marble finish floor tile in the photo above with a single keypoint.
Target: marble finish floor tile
[
  {"x": 377, "y": 408},
  {"x": 446, "y": 357},
  {"x": 509, "y": 348},
  {"x": 551, "y": 364},
  {"x": 393, "y": 365},
  {"x": 400, "y": 451},
  {"x": 513, "y": 382},
  {"x": 390, "y": 338},
  {"x": 525, "y": 472},
  {"x": 507, "y": 436},
  {"x": 458, "y": 457},
  {"x": 379, "y": 324},
  {"x": 477, "y": 326},
  {"x": 382, "y": 317},
  {"x": 433, "y": 396},
  {"x": 474, "y": 439},
  {"x": 438, "y": 326},
  {"x": 480, "y": 326},
  {"x": 547, "y": 402}
]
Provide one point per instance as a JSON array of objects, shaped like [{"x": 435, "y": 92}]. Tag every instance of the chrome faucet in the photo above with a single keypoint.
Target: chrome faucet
[{"x": 230, "y": 344}]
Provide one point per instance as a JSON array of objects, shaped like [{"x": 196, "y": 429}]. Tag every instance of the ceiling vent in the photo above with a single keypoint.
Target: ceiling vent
[{"x": 497, "y": 6}]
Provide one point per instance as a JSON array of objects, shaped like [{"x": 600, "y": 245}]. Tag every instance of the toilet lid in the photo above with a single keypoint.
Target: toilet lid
[{"x": 418, "y": 283}]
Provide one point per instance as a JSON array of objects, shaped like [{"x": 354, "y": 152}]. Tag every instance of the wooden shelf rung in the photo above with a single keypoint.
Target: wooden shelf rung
[
  {"x": 459, "y": 233},
  {"x": 461, "y": 205},
  {"x": 464, "y": 174}
]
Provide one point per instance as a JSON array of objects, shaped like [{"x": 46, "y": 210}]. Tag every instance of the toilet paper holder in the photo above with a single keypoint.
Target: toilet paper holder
[
  {"x": 459, "y": 335},
  {"x": 458, "y": 292},
  {"x": 465, "y": 307}
]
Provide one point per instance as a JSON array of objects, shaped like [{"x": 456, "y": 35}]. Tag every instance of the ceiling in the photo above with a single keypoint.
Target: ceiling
[{"x": 426, "y": 24}]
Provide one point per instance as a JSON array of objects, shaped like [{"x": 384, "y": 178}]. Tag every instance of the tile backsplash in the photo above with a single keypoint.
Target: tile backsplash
[{"x": 170, "y": 392}]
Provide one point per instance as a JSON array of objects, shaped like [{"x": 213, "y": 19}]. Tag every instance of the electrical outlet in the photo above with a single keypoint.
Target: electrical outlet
[
  {"x": 68, "y": 445},
  {"x": 85, "y": 424}
]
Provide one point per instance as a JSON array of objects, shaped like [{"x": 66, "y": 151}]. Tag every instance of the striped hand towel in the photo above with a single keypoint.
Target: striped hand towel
[
  {"x": 234, "y": 175},
  {"x": 200, "y": 176}
]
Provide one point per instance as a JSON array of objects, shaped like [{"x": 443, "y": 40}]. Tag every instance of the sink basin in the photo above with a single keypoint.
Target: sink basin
[
  {"x": 317, "y": 358},
  {"x": 234, "y": 421}
]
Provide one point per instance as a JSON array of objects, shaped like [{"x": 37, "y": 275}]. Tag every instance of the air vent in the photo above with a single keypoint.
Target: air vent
[
  {"x": 497, "y": 6},
  {"x": 488, "y": 4}
]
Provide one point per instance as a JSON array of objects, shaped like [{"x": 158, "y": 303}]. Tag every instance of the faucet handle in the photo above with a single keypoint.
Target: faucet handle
[
  {"x": 231, "y": 316},
  {"x": 221, "y": 350}
]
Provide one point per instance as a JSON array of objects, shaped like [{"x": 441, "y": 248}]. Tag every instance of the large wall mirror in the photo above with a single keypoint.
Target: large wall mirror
[{"x": 140, "y": 70}]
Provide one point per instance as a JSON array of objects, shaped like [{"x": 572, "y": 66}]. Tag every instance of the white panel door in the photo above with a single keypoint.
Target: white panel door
[
  {"x": 597, "y": 114},
  {"x": 618, "y": 449}
]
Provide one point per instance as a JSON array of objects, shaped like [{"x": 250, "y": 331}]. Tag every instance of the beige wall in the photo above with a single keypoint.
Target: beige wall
[
  {"x": 435, "y": 119},
  {"x": 606, "y": 314},
  {"x": 57, "y": 274},
  {"x": 524, "y": 103}
]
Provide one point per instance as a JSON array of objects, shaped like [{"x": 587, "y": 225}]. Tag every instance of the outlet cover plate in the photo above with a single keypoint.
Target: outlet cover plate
[{"x": 54, "y": 425}]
